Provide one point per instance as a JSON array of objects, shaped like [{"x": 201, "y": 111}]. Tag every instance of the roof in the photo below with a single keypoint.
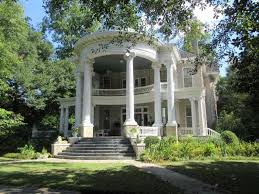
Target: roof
[{"x": 185, "y": 54}]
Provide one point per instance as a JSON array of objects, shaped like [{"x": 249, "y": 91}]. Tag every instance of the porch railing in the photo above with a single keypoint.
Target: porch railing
[
  {"x": 149, "y": 131},
  {"x": 185, "y": 131},
  {"x": 211, "y": 132},
  {"x": 121, "y": 91},
  {"x": 109, "y": 92}
]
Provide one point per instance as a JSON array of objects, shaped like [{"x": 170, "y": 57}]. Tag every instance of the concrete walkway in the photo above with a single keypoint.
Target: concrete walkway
[
  {"x": 32, "y": 190},
  {"x": 187, "y": 184}
]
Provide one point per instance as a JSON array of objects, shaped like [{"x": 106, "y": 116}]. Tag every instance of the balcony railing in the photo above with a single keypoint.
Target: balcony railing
[
  {"x": 122, "y": 91},
  {"x": 109, "y": 92},
  {"x": 149, "y": 131}
]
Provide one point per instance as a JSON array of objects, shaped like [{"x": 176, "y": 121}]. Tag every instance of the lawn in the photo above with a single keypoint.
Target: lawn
[
  {"x": 241, "y": 176},
  {"x": 84, "y": 177},
  {"x": 4, "y": 159}
]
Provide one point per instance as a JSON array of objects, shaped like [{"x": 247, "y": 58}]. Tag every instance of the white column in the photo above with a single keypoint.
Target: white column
[
  {"x": 92, "y": 113},
  {"x": 130, "y": 120},
  {"x": 202, "y": 122},
  {"x": 157, "y": 95},
  {"x": 66, "y": 121},
  {"x": 87, "y": 126},
  {"x": 61, "y": 119},
  {"x": 194, "y": 116},
  {"x": 170, "y": 95},
  {"x": 78, "y": 99}
]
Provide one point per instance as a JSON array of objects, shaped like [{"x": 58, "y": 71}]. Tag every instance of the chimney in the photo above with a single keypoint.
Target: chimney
[{"x": 195, "y": 47}]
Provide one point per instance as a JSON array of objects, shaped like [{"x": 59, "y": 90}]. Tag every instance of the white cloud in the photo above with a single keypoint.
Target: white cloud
[{"x": 206, "y": 15}]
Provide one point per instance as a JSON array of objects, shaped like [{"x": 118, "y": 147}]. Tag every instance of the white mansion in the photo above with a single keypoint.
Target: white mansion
[{"x": 146, "y": 87}]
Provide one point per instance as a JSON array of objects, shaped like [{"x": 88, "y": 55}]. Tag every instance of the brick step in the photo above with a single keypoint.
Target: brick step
[
  {"x": 103, "y": 137},
  {"x": 101, "y": 151},
  {"x": 103, "y": 142},
  {"x": 100, "y": 145},
  {"x": 96, "y": 157},
  {"x": 94, "y": 154},
  {"x": 100, "y": 148}
]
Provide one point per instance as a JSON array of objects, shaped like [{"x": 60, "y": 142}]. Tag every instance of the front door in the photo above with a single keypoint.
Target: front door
[
  {"x": 141, "y": 116},
  {"x": 107, "y": 120}
]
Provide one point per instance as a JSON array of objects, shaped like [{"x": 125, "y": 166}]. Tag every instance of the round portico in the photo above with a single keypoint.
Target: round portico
[{"x": 108, "y": 51}]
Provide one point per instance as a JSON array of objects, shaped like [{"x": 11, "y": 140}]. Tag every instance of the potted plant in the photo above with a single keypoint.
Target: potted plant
[{"x": 75, "y": 131}]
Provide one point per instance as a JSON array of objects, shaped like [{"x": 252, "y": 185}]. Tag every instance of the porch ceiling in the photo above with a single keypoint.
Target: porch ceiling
[{"x": 116, "y": 63}]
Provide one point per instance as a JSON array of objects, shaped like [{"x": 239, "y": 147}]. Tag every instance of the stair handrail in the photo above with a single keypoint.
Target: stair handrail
[{"x": 211, "y": 132}]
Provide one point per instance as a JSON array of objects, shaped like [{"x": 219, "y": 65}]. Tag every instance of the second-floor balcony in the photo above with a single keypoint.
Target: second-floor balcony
[{"x": 122, "y": 91}]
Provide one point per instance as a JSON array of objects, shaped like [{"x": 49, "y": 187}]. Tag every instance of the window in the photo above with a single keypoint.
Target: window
[
  {"x": 136, "y": 82},
  {"x": 187, "y": 77},
  {"x": 188, "y": 116},
  {"x": 143, "y": 81},
  {"x": 106, "y": 82},
  {"x": 123, "y": 83}
]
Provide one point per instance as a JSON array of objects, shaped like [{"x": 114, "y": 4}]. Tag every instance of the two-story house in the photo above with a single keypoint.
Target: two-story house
[{"x": 146, "y": 85}]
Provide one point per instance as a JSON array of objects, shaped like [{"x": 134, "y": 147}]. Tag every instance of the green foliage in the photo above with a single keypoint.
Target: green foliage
[
  {"x": 228, "y": 121},
  {"x": 194, "y": 148},
  {"x": 72, "y": 19},
  {"x": 12, "y": 155},
  {"x": 151, "y": 140},
  {"x": 50, "y": 122},
  {"x": 237, "y": 112},
  {"x": 43, "y": 154},
  {"x": 229, "y": 137},
  {"x": 236, "y": 37},
  {"x": 27, "y": 152},
  {"x": 9, "y": 121}
]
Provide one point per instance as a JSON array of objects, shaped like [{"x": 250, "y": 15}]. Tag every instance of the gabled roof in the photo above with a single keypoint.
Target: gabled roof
[{"x": 185, "y": 54}]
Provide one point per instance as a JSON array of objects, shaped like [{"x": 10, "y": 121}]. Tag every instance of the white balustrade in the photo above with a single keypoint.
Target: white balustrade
[
  {"x": 185, "y": 131},
  {"x": 122, "y": 91},
  {"x": 149, "y": 131},
  {"x": 211, "y": 132}
]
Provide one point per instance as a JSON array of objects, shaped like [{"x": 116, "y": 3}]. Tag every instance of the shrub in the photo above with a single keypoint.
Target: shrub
[
  {"x": 194, "y": 148},
  {"x": 12, "y": 155},
  {"x": 229, "y": 137},
  {"x": 151, "y": 141},
  {"x": 43, "y": 154},
  {"x": 209, "y": 150},
  {"x": 27, "y": 152}
]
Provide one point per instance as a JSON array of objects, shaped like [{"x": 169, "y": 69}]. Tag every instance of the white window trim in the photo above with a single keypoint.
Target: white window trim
[
  {"x": 110, "y": 81},
  {"x": 142, "y": 112},
  {"x": 138, "y": 82},
  {"x": 186, "y": 67},
  {"x": 186, "y": 105}
]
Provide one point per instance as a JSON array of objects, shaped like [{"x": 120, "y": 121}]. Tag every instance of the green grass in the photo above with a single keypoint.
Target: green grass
[
  {"x": 237, "y": 176},
  {"x": 4, "y": 159},
  {"x": 83, "y": 177}
]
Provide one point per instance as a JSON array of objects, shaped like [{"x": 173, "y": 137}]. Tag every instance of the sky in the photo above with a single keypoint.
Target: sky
[{"x": 34, "y": 10}]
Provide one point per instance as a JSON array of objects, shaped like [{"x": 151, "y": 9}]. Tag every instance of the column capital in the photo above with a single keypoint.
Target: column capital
[
  {"x": 156, "y": 65},
  {"x": 193, "y": 98},
  {"x": 87, "y": 60},
  {"x": 202, "y": 97},
  {"x": 169, "y": 63},
  {"x": 129, "y": 55}
]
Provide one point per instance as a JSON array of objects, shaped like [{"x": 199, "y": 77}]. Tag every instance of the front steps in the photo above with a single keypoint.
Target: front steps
[{"x": 99, "y": 148}]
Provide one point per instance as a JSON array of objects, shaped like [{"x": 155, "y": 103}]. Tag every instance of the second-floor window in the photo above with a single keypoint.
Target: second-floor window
[
  {"x": 143, "y": 81},
  {"x": 187, "y": 77},
  {"x": 188, "y": 116}
]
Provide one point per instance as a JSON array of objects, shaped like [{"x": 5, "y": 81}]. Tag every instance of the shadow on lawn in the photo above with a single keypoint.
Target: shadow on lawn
[
  {"x": 237, "y": 177},
  {"x": 125, "y": 179}
]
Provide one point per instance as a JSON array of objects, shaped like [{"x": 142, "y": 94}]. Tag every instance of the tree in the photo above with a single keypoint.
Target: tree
[
  {"x": 71, "y": 19},
  {"x": 237, "y": 38},
  {"x": 31, "y": 79}
]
